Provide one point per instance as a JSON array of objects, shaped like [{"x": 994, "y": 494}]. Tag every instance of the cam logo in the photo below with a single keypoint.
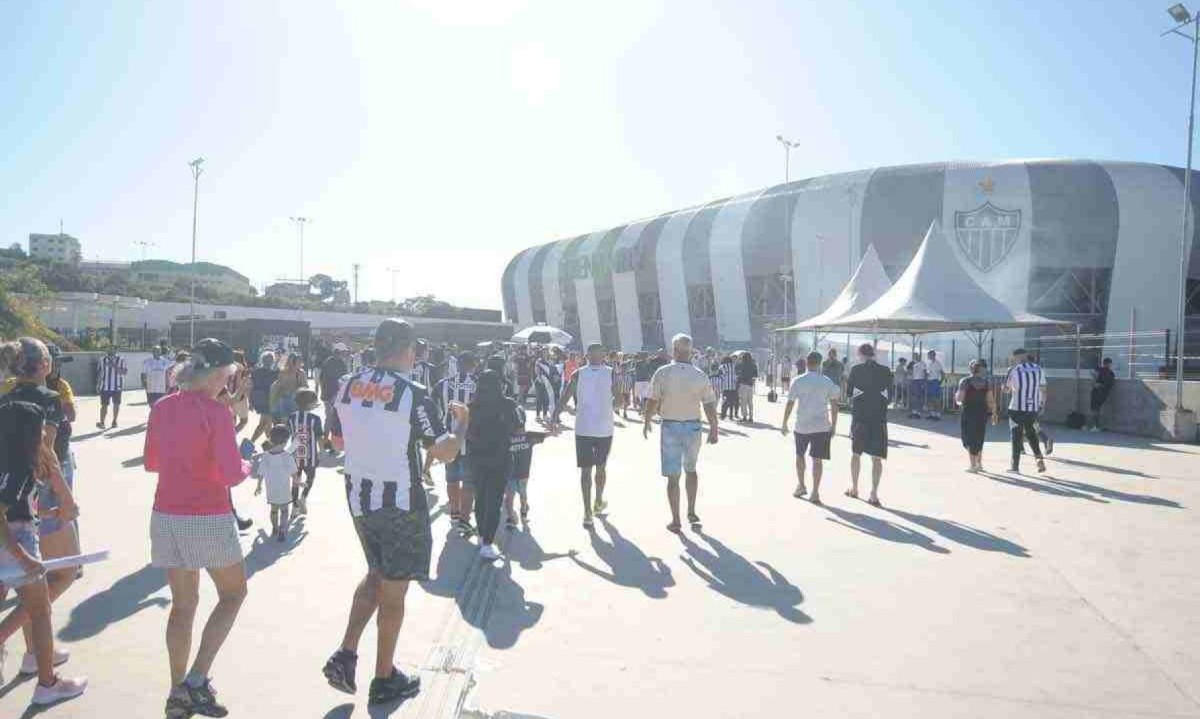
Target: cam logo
[
  {"x": 371, "y": 392},
  {"x": 986, "y": 234}
]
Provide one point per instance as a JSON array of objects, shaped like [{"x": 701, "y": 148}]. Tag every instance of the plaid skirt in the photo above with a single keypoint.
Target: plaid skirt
[{"x": 193, "y": 541}]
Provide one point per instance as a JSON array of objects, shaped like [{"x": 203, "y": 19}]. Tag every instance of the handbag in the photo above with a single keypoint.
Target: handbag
[{"x": 772, "y": 396}]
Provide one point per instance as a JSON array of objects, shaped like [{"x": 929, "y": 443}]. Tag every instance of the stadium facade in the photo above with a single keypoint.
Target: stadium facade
[{"x": 1087, "y": 241}]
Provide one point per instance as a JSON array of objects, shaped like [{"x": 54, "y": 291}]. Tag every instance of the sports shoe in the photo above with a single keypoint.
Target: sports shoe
[
  {"x": 60, "y": 690},
  {"x": 600, "y": 507},
  {"x": 204, "y": 700},
  {"x": 244, "y": 524},
  {"x": 1041, "y": 466},
  {"x": 179, "y": 704},
  {"x": 339, "y": 671},
  {"x": 394, "y": 688},
  {"x": 29, "y": 661},
  {"x": 489, "y": 553}
]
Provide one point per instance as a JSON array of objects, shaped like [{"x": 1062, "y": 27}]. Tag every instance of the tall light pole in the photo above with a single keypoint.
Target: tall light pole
[
  {"x": 787, "y": 215},
  {"x": 393, "y": 271},
  {"x": 1181, "y": 15},
  {"x": 196, "y": 172},
  {"x": 787, "y": 156},
  {"x": 300, "y": 223}
]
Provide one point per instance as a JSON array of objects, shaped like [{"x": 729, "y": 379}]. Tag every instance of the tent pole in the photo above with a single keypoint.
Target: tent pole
[
  {"x": 1078, "y": 366},
  {"x": 952, "y": 358}
]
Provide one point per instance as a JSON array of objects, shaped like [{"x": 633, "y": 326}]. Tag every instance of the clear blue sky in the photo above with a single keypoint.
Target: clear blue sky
[{"x": 441, "y": 137}]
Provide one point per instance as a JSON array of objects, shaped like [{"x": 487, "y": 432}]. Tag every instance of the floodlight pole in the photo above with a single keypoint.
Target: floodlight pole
[{"x": 196, "y": 171}]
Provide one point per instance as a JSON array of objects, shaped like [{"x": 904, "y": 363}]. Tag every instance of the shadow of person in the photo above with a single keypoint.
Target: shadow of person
[
  {"x": 127, "y": 596},
  {"x": 628, "y": 565},
  {"x": 85, "y": 437},
  {"x": 755, "y": 584},
  {"x": 454, "y": 562},
  {"x": 341, "y": 711},
  {"x": 507, "y": 614},
  {"x": 135, "y": 429},
  {"x": 1112, "y": 493},
  {"x": 1100, "y": 467},
  {"x": 901, "y": 443},
  {"x": 266, "y": 550},
  {"x": 883, "y": 529},
  {"x": 1039, "y": 487},
  {"x": 963, "y": 534},
  {"x": 524, "y": 549}
]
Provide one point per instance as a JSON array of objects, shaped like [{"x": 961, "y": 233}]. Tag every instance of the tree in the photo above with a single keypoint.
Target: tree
[
  {"x": 24, "y": 279},
  {"x": 14, "y": 251},
  {"x": 423, "y": 305}
]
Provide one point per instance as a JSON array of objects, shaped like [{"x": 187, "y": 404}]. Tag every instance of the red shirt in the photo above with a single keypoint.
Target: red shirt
[{"x": 191, "y": 444}]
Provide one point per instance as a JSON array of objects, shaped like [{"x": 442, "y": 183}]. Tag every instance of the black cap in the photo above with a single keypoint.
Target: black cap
[
  {"x": 392, "y": 335},
  {"x": 209, "y": 353}
]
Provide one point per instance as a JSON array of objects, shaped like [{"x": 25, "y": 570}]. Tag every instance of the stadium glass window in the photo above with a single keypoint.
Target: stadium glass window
[
  {"x": 607, "y": 311},
  {"x": 701, "y": 302},
  {"x": 624, "y": 259},
  {"x": 1070, "y": 290},
  {"x": 649, "y": 307}
]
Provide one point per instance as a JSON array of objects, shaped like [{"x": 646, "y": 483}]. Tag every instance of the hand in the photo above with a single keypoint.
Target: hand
[
  {"x": 32, "y": 567},
  {"x": 646, "y": 427},
  {"x": 783, "y": 429},
  {"x": 459, "y": 412},
  {"x": 258, "y": 490},
  {"x": 712, "y": 434},
  {"x": 68, "y": 510}
]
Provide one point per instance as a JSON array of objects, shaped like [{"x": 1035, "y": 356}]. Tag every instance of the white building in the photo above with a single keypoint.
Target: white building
[{"x": 57, "y": 248}]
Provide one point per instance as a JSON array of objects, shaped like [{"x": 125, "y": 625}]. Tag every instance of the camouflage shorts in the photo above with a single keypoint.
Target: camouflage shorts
[{"x": 398, "y": 544}]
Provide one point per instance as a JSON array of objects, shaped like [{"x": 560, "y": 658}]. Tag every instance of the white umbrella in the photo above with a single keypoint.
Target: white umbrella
[{"x": 543, "y": 334}]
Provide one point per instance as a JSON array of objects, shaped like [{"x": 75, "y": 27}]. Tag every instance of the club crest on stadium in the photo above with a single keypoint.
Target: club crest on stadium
[{"x": 986, "y": 234}]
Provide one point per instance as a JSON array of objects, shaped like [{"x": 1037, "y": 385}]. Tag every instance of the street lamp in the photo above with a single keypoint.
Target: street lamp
[
  {"x": 787, "y": 156},
  {"x": 394, "y": 270},
  {"x": 196, "y": 172},
  {"x": 300, "y": 223},
  {"x": 1181, "y": 15}
]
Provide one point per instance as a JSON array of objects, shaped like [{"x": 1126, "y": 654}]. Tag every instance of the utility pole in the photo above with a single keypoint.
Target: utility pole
[
  {"x": 394, "y": 270},
  {"x": 356, "y": 267},
  {"x": 300, "y": 223},
  {"x": 196, "y": 172}
]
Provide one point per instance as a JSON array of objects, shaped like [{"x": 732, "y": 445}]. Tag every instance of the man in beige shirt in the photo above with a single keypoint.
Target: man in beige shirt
[{"x": 678, "y": 391}]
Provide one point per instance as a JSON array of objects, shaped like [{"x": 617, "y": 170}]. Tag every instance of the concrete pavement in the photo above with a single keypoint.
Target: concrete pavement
[{"x": 1070, "y": 594}]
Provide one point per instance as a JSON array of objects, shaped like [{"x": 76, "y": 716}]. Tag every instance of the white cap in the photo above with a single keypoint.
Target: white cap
[{"x": 340, "y": 347}]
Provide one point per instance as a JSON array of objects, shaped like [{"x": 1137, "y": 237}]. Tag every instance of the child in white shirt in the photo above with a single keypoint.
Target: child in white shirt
[{"x": 275, "y": 467}]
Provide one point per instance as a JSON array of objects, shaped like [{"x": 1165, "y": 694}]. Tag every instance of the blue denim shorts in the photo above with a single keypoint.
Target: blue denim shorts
[
  {"x": 26, "y": 534},
  {"x": 680, "y": 446},
  {"x": 457, "y": 471},
  {"x": 48, "y": 500}
]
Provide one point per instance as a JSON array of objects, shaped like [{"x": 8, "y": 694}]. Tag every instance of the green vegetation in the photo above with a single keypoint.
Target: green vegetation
[{"x": 17, "y": 321}]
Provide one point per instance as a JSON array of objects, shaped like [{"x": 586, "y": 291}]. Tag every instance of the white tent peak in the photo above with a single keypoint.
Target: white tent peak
[
  {"x": 867, "y": 284},
  {"x": 937, "y": 294}
]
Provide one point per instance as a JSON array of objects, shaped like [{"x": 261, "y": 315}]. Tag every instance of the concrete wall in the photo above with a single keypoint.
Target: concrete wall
[
  {"x": 81, "y": 370},
  {"x": 1134, "y": 407}
]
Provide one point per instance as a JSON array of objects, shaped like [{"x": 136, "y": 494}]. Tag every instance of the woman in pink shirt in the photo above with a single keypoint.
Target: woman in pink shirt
[{"x": 191, "y": 444}]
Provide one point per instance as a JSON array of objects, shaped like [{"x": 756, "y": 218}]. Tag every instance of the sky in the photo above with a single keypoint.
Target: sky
[{"x": 431, "y": 140}]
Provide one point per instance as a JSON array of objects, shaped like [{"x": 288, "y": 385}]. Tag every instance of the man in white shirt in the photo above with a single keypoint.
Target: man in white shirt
[
  {"x": 933, "y": 386},
  {"x": 596, "y": 397},
  {"x": 154, "y": 375},
  {"x": 916, "y": 386},
  {"x": 815, "y": 398}
]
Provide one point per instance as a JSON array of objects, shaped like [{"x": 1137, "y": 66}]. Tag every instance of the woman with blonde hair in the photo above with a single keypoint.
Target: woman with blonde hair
[{"x": 191, "y": 445}]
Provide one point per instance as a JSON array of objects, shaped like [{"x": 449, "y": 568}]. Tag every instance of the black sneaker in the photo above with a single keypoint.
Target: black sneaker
[
  {"x": 244, "y": 524},
  {"x": 179, "y": 705},
  {"x": 339, "y": 670},
  {"x": 394, "y": 688},
  {"x": 204, "y": 700}
]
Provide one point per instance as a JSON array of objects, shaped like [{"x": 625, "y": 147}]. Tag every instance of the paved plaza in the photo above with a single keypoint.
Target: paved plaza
[{"x": 1070, "y": 594}]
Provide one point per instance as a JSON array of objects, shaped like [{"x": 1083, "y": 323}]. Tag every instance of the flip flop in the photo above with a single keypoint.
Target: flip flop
[
  {"x": 851, "y": 494},
  {"x": 874, "y": 502},
  {"x": 588, "y": 524},
  {"x": 694, "y": 521},
  {"x": 674, "y": 527},
  {"x": 800, "y": 492}
]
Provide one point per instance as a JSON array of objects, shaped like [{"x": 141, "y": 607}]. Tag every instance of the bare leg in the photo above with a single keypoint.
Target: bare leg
[
  {"x": 366, "y": 601},
  {"x": 35, "y": 599},
  {"x": 231, "y": 592},
  {"x": 601, "y": 480},
  {"x": 585, "y": 488},
  {"x": 673, "y": 498},
  {"x": 116, "y": 411},
  {"x": 855, "y": 464},
  {"x": 817, "y": 470},
  {"x": 692, "y": 484},
  {"x": 388, "y": 623},
  {"x": 801, "y": 490},
  {"x": 876, "y": 475},
  {"x": 59, "y": 544},
  {"x": 185, "y": 596},
  {"x": 454, "y": 499},
  {"x": 103, "y": 413}
]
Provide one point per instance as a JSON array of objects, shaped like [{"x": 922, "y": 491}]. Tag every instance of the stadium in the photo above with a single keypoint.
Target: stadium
[{"x": 1092, "y": 242}]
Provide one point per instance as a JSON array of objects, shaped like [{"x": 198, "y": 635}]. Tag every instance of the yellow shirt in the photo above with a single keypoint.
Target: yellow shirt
[{"x": 66, "y": 396}]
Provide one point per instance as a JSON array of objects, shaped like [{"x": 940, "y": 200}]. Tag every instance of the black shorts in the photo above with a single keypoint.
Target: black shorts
[
  {"x": 592, "y": 451},
  {"x": 817, "y": 444},
  {"x": 113, "y": 396},
  {"x": 869, "y": 437},
  {"x": 397, "y": 543},
  {"x": 153, "y": 397}
]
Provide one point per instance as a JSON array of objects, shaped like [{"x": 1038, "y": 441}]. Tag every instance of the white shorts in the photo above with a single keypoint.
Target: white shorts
[
  {"x": 641, "y": 390},
  {"x": 193, "y": 541}
]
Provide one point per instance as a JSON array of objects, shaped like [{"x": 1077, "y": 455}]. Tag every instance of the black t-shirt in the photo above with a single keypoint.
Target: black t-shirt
[
  {"x": 21, "y": 425},
  {"x": 62, "y": 440},
  {"x": 870, "y": 390},
  {"x": 332, "y": 371}
]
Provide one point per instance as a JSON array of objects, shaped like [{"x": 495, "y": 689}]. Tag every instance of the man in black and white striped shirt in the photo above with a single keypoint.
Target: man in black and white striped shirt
[
  {"x": 381, "y": 417},
  {"x": 110, "y": 382},
  {"x": 1026, "y": 384},
  {"x": 460, "y": 492},
  {"x": 422, "y": 372}
]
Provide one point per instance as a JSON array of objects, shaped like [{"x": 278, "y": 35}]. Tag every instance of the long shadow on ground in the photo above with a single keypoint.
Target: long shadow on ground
[
  {"x": 127, "y": 596},
  {"x": 755, "y": 584},
  {"x": 963, "y": 534},
  {"x": 628, "y": 565},
  {"x": 883, "y": 529},
  {"x": 1040, "y": 488}
]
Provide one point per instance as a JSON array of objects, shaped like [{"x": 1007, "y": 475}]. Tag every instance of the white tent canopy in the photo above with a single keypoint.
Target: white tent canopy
[
  {"x": 936, "y": 294},
  {"x": 868, "y": 283}
]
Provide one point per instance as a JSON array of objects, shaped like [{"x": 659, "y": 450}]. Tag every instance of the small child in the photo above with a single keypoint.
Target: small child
[
  {"x": 276, "y": 468},
  {"x": 521, "y": 449},
  {"x": 306, "y": 430}
]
